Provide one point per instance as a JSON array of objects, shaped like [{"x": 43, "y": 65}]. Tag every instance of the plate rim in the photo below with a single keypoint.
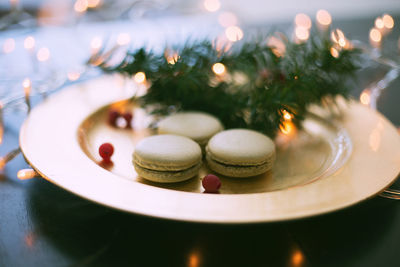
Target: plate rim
[{"x": 54, "y": 176}]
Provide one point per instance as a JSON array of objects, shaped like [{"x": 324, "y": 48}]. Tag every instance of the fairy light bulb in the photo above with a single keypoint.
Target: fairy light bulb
[
  {"x": 334, "y": 52},
  {"x": 388, "y": 21},
  {"x": 26, "y": 174},
  {"x": 379, "y": 24},
  {"x": 303, "y": 21},
  {"x": 81, "y": 6},
  {"x": 212, "y": 5},
  {"x": 302, "y": 34},
  {"x": 286, "y": 115},
  {"x": 324, "y": 19},
  {"x": 365, "y": 97},
  {"x": 9, "y": 45},
  {"x": 140, "y": 77},
  {"x": 93, "y": 3},
  {"x": 234, "y": 33},
  {"x": 95, "y": 44},
  {"x": 73, "y": 75},
  {"x": 43, "y": 54},
  {"x": 375, "y": 37},
  {"x": 29, "y": 43},
  {"x": 218, "y": 68}
]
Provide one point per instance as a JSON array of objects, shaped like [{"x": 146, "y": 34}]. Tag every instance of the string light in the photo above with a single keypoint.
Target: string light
[
  {"x": 334, "y": 52},
  {"x": 81, "y": 6},
  {"x": 172, "y": 59},
  {"x": 234, "y": 33},
  {"x": 303, "y": 21},
  {"x": 93, "y": 3},
  {"x": 277, "y": 46},
  {"x": 388, "y": 21},
  {"x": 379, "y": 24},
  {"x": 95, "y": 44},
  {"x": 297, "y": 258},
  {"x": 212, "y": 5},
  {"x": 26, "y": 174},
  {"x": 287, "y": 128},
  {"x": 218, "y": 68},
  {"x": 286, "y": 115},
  {"x": 9, "y": 45},
  {"x": 9, "y": 156},
  {"x": 27, "y": 85},
  {"x": 43, "y": 54},
  {"x": 73, "y": 75},
  {"x": 365, "y": 97},
  {"x": 375, "y": 36},
  {"x": 324, "y": 19},
  {"x": 338, "y": 37},
  {"x": 302, "y": 34},
  {"x": 140, "y": 77},
  {"x": 29, "y": 43}
]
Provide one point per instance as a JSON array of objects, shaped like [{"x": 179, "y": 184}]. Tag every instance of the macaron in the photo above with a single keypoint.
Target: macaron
[
  {"x": 167, "y": 158},
  {"x": 198, "y": 126},
  {"x": 240, "y": 153}
]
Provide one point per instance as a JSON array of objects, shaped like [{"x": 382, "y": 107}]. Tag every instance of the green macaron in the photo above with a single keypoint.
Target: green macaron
[
  {"x": 198, "y": 126},
  {"x": 240, "y": 153},
  {"x": 167, "y": 158}
]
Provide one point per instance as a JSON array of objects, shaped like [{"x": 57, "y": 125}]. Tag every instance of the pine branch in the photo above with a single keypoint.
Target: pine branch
[{"x": 260, "y": 85}]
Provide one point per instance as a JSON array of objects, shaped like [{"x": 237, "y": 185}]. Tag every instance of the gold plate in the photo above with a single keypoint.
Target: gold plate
[{"x": 325, "y": 167}]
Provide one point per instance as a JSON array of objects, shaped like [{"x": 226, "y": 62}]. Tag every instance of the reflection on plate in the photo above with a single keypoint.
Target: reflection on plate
[
  {"x": 327, "y": 166},
  {"x": 316, "y": 152}
]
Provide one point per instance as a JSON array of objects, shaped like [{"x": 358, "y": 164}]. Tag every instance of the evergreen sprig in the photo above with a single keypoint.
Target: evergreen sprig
[{"x": 259, "y": 87}]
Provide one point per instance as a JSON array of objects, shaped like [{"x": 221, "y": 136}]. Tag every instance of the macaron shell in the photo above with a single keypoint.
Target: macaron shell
[
  {"x": 165, "y": 176},
  {"x": 197, "y": 126},
  {"x": 238, "y": 171},
  {"x": 167, "y": 153},
  {"x": 241, "y": 147}
]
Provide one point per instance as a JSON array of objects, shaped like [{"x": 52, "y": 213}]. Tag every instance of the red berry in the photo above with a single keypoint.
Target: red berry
[
  {"x": 128, "y": 118},
  {"x": 211, "y": 183},
  {"x": 113, "y": 115},
  {"x": 106, "y": 150}
]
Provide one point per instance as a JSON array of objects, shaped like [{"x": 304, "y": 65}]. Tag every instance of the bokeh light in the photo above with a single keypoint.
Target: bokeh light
[
  {"x": 212, "y": 5},
  {"x": 302, "y": 20},
  {"x": 234, "y": 33},
  {"x": 93, "y": 3},
  {"x": 388, "y": 21},
  {"x": 323, "y": 17},
  {"x": 29, "y": 43},
  {"x": 25, "y": 174},
  {"x": 218, "y": 68},
  {"x": 140, "y": 77},
  {"x": 334, "y": 52},
  {"x": 302, "y": 34},
  {"x": 9, "y": 45},
  {"x": 365, "y": 98},
  {"x": 81, "y": 6},
  {"x": 375, "y": 35},
  {"x": 43, "y": 54},
  {"x": 379, "y": 24}
]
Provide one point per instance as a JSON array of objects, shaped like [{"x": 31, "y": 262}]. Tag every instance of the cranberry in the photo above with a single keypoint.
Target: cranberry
[
  {"x": 128, "y": 118},
  {"x": 113, "y": 115},
  {"x": 211, "y": 183},
  {"x": 106, "y": 150}
]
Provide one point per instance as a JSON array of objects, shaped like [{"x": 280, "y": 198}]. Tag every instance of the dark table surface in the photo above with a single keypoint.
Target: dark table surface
[{"x": 43, "y": 225}]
